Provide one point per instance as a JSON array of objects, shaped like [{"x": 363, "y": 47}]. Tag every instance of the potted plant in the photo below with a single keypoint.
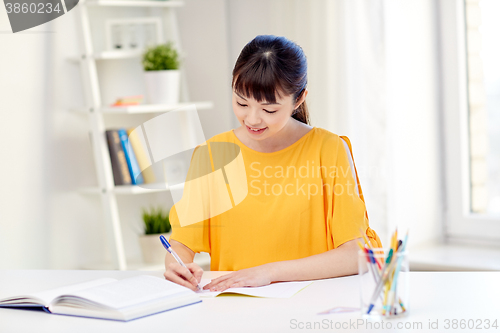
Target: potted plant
[
  {"x": 162, "y": 75},
  {"x": 156, "y": 223}
]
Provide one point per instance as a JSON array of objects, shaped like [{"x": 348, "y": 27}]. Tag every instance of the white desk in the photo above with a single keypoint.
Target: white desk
[{"x": 434, "y": 296}]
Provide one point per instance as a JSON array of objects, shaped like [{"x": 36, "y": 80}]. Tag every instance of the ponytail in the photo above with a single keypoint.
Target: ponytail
[{"x": 302, "y": 113}]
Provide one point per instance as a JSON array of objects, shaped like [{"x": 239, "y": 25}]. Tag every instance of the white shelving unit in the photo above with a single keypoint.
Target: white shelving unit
[
  {"x": 151, "y": 108},
  {"x": 95, "y": 110}
]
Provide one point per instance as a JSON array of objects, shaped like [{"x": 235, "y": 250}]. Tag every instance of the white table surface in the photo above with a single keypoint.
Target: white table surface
[{"x": 435, "y": 296}]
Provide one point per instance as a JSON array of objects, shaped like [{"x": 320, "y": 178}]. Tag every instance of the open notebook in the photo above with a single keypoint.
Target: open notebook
[
  {"x": 274, "y": 290},
  {"x": 109, "y": 298}
]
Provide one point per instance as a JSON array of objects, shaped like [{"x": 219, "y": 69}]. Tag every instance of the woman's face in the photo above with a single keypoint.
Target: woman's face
[{"x": 262, "y": 120}]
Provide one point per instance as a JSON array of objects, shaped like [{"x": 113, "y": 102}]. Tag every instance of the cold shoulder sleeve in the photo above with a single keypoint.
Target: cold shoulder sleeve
[
  {"x": 194, "y": 236},
  {"x": 347, "y": 211}
]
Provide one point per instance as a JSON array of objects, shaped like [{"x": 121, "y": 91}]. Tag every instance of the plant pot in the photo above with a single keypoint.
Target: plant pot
[
  {"x": 162, "y": 87},
  {"x": 152, "y": 249}
]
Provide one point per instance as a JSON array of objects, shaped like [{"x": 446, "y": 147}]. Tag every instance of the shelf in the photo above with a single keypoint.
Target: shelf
[
  {"x": 201, "y": 259},
  {"x": 131, "y": 266},
  {"x": 131, "y": 3},
  {"x": 110, "y": 55},
  {"x": 117, "y": 54},
  {"x": 130, "y": 189},
  {"x": 147, "y": 108},
  {"x": 154, "y": 108}
]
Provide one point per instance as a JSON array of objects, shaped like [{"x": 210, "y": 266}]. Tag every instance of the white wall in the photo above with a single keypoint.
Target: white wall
[
  {"x": 23, "y": 204},
  {"x": 45, "y": 222},
  {"x": 204, "y": 32}
]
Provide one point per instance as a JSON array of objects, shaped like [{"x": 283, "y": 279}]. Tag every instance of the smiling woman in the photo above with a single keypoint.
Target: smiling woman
[
  {"x": 268, "y": 88},
  {"x": 296, "y": 225},
  {"x": 269, "y": 125}
]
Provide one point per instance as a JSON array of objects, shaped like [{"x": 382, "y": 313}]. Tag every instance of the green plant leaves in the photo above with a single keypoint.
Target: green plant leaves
[
  {"x": 161, "y": 57},
  {"x": 156, "y": 221}
]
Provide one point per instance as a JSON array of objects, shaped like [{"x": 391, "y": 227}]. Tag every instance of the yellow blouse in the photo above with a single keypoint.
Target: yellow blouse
[{"x": 302, "y": 200}]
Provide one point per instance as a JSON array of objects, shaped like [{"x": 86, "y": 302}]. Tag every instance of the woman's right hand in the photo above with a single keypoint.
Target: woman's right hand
[{"x": 188, "y": 277}]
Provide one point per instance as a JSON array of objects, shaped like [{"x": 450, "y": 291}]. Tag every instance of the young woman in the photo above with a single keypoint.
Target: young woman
[{"x": 304, "y": 209}]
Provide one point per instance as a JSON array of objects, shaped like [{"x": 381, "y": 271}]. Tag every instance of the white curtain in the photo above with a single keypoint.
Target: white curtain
[{"x": 361, "y": 106}]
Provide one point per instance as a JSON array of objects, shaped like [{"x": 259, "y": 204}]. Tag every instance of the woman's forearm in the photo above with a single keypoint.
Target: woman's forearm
[
  {"x": 341, "y": 261},
  {"x": 338, "y": 262}
]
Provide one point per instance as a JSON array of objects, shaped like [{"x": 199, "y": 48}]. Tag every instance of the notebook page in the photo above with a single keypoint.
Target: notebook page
[
  {"x": 132, "y": 291},
  {"x": 47, "y": 296},
  {"x": 274, "y": 290}
]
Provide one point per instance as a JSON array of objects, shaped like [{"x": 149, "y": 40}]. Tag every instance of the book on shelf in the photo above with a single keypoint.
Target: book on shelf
[
  {"x": 142, "y": 157},
  {"x": 108, "y": 298},
  {"x": 133, "y": 166},
  {"x": 121, "y": 173},
  {"x": 134, "y": 156}
]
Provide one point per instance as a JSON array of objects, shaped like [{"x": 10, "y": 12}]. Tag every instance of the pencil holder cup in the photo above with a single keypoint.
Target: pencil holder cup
[{"x": 384, "y": 283}]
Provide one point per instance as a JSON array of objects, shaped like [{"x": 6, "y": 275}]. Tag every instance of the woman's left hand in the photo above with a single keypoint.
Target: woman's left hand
[{"x": 249, "y": 277}]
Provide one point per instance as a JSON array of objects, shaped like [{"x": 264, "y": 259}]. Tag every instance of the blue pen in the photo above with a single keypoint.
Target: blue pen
[
  {"x": 374, "y": 271},
  {"x": 167, "y": 246},
  {"x": 384, "y": 275}
]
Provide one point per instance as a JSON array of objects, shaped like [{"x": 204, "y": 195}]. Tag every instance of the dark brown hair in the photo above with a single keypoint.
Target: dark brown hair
[{"x": 268, "y": 65}]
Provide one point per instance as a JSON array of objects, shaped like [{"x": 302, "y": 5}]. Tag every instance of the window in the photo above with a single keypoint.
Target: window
[
  {"x": 470, "y": 99},
  {"x": 483, "y": 54}
]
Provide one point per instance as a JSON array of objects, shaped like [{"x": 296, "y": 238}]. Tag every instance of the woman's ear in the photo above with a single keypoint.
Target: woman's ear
[{"x": 301, "y": 99}]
